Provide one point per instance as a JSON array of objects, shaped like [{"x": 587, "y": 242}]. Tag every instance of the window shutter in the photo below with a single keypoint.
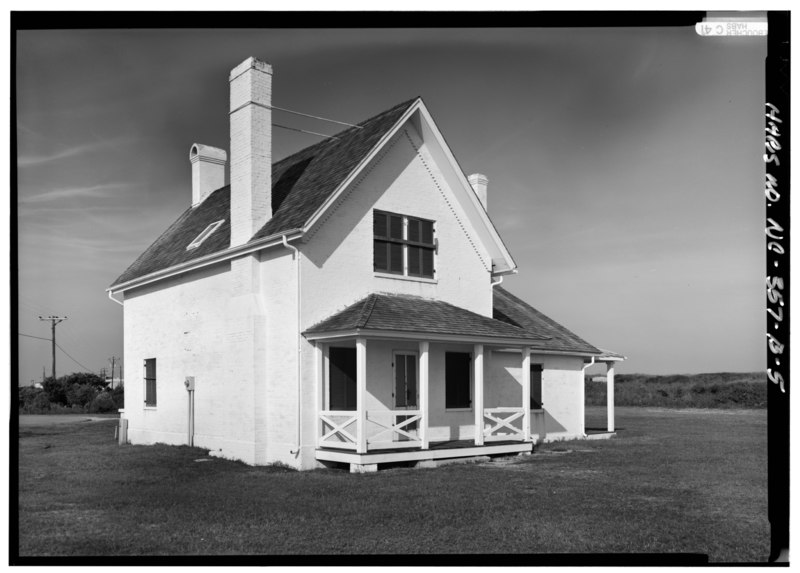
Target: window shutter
[
  {"x": 395, "y": 227},
  {"x": 395, "y": 257},
  {"x": 379, "y": 225},
  {"x": 414, "y": 266},
  {"x": 427, "y": 262},
  {"x": 427, "y": 232},
  {"x": 413, "y": 230},
  {"x": 381, "y": 255}
]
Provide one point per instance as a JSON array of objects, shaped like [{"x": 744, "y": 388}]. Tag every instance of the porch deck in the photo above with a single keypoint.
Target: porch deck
[{"x": 438, "y": 450}]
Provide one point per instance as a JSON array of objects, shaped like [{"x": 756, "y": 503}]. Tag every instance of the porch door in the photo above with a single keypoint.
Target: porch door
[{"x": 405, "y": 387}]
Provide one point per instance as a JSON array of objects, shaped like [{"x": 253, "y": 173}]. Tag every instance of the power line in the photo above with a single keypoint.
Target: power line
[
  {"x": 75, "y": 361},
  {"x": 31, "y": 336},
  {"x": 304, "y": 131},
  {"x": 294, "y": 112}
]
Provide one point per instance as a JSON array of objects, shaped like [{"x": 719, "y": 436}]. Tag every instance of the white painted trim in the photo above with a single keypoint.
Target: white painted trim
[
  {"x": 400, "y": 277},
  {"x": 526, "y": 394},
  {"x": 424, "y": 396},
  {"x": 610, "y": 395},
  {"x": 213, "y": 258},
  {"x": 477, "y": 377},
  {"x": 460, "y": 409},
  {"x": 396, "y": 335},
  {"x": 361, "y": 395},
  {"x": 414, "y": 455}
]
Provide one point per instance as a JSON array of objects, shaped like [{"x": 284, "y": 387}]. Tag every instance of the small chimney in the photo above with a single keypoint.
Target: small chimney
[
  {"x": 480, "y": 183},
  {"x": 251, "y": 148},
  {"x": 208, "y": 171}
]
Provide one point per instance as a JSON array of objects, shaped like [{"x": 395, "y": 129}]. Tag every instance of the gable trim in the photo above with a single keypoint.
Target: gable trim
[{"x": 214, "y": 258}]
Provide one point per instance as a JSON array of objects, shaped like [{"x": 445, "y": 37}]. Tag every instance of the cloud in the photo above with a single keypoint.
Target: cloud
[
  {"x": 33, "y": 159},
  {"x": 67, "y": 193}
]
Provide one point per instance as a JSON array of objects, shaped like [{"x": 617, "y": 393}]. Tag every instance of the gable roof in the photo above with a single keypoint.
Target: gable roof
[
  {"x": 515, "y": 311},
  {"x": 417, "y": 315},
  {"x": 300, "y": 185}
]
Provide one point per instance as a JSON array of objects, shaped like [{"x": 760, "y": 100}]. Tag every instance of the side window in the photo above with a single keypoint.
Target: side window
[
  {"x": 150, "y": 382},
  {"x": 457, "y": 379},
  {"x": 536, "y": 386}
]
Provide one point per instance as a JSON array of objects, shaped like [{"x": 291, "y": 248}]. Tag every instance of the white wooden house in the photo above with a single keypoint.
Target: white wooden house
[{"x": 340, "y": 305}]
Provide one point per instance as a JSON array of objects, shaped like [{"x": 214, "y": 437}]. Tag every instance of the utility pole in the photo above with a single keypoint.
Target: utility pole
[
  {"x": 113, "y": 362},
  {"x": 53, "y": 321}
]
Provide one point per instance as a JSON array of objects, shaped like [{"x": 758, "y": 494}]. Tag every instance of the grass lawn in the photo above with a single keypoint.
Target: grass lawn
[{"x": 672, "y": 481}]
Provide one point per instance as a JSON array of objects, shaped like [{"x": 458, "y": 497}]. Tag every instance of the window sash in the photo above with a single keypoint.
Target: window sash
[
  {"x": 399, "y": 237},
  {"x": 150, "y": 386}
]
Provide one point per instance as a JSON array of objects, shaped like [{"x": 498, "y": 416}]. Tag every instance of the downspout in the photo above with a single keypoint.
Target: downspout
[
  {"x": 286, "y": 244},
  {"x": 499, "y": 280},
  {"x": 111, "y": 296}
]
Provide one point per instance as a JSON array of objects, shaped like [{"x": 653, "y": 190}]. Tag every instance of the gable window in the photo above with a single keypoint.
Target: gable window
[
  {"x": 150, "y": 382},
  {"x": 204, "y": 235},
  {"x": 403, "y": 245},
  {"x": 457, "y": 380},
  {"x": 536, "y": 386}
]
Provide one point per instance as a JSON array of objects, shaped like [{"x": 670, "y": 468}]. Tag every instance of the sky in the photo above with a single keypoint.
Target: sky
[{"x": 624, "y": 165}]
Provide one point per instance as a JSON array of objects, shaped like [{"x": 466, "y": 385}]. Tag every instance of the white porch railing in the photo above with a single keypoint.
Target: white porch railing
[
  {"x": 334, "y": 429},
  {"x": 501, "y": 424},
  {"x": 340, "y": 429},
  {"x": 395, "y": 429}
]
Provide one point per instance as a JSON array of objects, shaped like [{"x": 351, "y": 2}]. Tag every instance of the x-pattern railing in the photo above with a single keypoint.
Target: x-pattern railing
[
  {"x": 401, "y": 428},
  {"x": 502, "y": 419},
  {"x": 338, "y": 428}
]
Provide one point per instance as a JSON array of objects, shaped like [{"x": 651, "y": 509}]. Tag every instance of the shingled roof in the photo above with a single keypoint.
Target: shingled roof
[
  {"x": 515, "y": 311},
  {"x": 413, "y": 314},
  {"x": 300, "y": 185}
]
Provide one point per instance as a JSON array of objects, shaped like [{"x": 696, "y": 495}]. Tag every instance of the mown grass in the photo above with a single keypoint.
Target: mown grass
[
  {"x": 671, "y": 482},
  {"x": 716, "y": 390}
]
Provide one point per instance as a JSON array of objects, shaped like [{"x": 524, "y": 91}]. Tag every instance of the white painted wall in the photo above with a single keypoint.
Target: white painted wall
[{"x": 181, "y": 324}]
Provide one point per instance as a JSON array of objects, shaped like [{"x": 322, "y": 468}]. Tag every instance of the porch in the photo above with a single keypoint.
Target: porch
[{"x": 403, "y": 409}]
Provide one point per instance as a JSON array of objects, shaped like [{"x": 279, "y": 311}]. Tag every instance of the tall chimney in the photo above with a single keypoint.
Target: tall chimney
[
  {"x": 251, "y": 148},
  {"x": 208, "y": 171},
  {"x": 480, "y": 183}
]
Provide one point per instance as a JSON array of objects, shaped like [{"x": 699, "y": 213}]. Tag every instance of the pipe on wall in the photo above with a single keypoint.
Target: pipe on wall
[{"x": 286, "y": 244}]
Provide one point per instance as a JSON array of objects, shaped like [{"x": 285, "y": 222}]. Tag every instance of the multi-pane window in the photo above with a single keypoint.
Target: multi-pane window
[
  {"x": 403, "y": 245},
  {"x": 150, "y": 382}
]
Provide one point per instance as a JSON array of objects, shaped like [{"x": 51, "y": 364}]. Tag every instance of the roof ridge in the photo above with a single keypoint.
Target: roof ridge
[{"x": 366, "y": 310}]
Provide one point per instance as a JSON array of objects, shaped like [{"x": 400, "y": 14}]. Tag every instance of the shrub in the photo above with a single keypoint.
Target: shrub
[
  {"x": 103, "y": 402},
  {"x": 80, "y": 394},
  {"x": 118, "y": 394},
  {"x": 40, "y": 403},
  {"x": 56, "y": 390}
]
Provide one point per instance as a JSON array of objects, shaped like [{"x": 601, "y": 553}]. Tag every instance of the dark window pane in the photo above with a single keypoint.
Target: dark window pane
[
  {"x": 395, "y": 227},
  {"x": 381, "y": 255},
  {"x": 379, "y": 225},
  {"x": 413, "y": 230},
  {"x": 395, "y": 257},
  {"x": 414, "y": 263},
  {"x": 457, "y": 380},
  {"x": 536, "y": 386},
  {"x": 427, "y": 232},
  {"x": 427, "y": 262},
  {"x": 411, "y": 380},
  {"x": 150, "y": 382},
  {"x": 400, "y": 381},
  {"x": 342, "y": 378}
]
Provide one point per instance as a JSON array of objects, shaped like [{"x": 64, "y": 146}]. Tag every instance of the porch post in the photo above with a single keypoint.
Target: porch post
[
  {"x": 526, "y": 394},
  {"x": 423, "y": 393},
  {"x": 361, "y": 398},
  {"x": 478, "y": 402},
  {"x": 319, "y": 363},
  {"x": 610, "y": 394}
]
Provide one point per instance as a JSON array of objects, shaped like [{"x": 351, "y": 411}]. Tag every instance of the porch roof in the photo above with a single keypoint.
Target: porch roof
[{"x": 394, "y": 313}]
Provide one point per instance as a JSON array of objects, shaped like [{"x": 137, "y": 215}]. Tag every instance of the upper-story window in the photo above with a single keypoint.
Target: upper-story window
[{"x": 403, "y": 245}]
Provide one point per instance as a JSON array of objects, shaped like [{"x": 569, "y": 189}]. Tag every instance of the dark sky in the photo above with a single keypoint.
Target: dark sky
[{"x": 625, "y": 167}]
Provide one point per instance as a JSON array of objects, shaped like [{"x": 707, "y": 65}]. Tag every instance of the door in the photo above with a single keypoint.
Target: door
[{"x": 405, "y": 388}]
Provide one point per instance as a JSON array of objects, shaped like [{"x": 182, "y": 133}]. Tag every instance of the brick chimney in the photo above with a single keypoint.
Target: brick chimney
[
  {"x": 208, "y": 171},
  {"x": 480, "y": 183},
  {"x": 251, "y": 148}
]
